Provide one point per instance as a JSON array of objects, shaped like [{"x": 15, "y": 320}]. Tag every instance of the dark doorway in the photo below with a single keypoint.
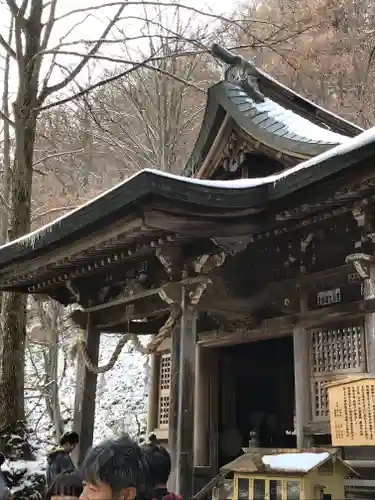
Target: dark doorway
[{"x": 256, "y": 396}]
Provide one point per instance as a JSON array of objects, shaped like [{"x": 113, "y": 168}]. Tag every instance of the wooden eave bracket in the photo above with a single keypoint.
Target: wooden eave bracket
[{"x": 362, "y": 263}]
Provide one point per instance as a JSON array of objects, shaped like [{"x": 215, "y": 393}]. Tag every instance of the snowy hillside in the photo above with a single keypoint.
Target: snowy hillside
[{"x": 121, "y": 402}]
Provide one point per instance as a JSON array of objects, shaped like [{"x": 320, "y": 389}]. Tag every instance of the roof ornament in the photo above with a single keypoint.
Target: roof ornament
[{"x": 240, "y": 70}]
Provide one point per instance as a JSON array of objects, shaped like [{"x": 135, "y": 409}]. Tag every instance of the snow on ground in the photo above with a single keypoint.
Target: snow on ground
[
  {"x": 121, "y": 402},
  {"x": 298, "y": 462}
]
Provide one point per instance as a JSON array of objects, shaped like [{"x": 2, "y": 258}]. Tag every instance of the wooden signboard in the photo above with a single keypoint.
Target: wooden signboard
[{"x": 352, "y": 411}]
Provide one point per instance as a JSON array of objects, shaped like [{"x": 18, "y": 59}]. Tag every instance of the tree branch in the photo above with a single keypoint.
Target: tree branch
[
  {"x": 52, "y": 211},
  {"x": 7, "y": 119},
  {"x": 55, "y": 50},
  {"x": 162, "y": 4},
  {"x": 12, "y": 7},
  {"x": 56, "y": 155},
  {"x": 7, "y": 47},
  {"x": 46, "y": 91},
  {"x": 49, "y": 25},
  {"x": 116, "y": 77}
]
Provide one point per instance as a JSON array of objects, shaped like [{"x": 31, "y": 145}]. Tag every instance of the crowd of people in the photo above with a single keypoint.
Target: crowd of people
[{"x": 116, "y": 469}]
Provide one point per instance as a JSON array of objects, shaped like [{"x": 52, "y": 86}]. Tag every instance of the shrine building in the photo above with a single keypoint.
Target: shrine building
[{"x": 254, "y": 273}]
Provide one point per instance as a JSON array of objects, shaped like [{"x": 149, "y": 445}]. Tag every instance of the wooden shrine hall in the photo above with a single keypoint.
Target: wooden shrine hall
[{"x": 254, "y": 273}]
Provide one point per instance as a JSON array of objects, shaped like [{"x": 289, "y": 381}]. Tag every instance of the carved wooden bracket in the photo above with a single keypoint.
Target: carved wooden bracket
[
  {"x": 362, "y": 263},
  {"x": 170, "y": 258},
  {"x": 203, "y": 265}
]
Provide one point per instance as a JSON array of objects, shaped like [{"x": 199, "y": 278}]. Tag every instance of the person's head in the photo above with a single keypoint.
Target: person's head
[
  {"x": 115, "y": 469},
  {"x": 158, "y": 460},
  {"x": 2, "y": 459},
  {"x": 66, "y": 486},
  {"x": 69, "y": 441}
]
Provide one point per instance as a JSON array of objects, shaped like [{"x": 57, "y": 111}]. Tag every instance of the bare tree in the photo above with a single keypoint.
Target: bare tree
[
  {"x": 151, "y": 119},
  {"x": 31, "y": 38}
]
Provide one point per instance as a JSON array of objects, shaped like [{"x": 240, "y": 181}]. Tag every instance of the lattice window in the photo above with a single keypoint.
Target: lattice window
[
  {"x": 337, "y": 349},
  {"x": 320, "y": 399},
  {"x": 164, "y": 390}
]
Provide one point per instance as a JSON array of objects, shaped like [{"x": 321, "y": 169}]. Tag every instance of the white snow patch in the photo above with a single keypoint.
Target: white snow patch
[
  {"x": 298, "y": 462},
  {"x": 121, "y": 400},
  {"x": 324, "y": 111},
  {"x": 298, "y": 124}
]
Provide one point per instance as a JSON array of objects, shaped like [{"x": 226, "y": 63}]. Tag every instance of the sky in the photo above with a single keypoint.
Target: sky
[{"x": 90, "y": 24}]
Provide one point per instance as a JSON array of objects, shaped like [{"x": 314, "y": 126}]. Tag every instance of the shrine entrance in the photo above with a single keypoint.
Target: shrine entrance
[{"x": 256, "y": 396}]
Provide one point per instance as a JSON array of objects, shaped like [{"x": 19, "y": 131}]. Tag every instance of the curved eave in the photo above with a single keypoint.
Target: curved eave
[
  {"x": 212, "y": 201},
  {"x": 130, "y": 199},
  {"x": 275, "y": 126}
]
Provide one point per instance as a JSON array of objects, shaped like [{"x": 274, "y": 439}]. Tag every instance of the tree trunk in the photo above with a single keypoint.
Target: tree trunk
[
  {"x": 12, "y": 342},
  {"x": 51, "y": 363}
]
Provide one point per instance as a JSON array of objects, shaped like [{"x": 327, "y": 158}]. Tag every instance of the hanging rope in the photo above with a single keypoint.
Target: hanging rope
[
  {"x": 80, "y": 347},
  {"x": 203, "y": 264}
]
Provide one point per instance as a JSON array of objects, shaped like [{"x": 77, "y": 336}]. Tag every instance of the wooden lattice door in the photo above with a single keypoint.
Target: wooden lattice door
[
  {"x": 335, "y": 352},
  {"x": 164, "y": 390}
]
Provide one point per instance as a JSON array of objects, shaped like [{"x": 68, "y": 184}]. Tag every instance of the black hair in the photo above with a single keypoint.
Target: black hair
[
  {"x": 69, "y": 438},
  {"x": 2, "y": 459},
  {"x": 119, "y": 463},
  {"x": 158, "y": 460},
  {"x": 68, "y": 483}
]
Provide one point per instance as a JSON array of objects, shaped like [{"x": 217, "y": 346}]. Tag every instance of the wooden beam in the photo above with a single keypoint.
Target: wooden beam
[
  {"x": 185, "y": 431},
  {"x": 213, "y": 409},
  {"x": 201, "y": 408},
  {"x": 301, "y": 349},
  {"x": 85, "y": 396},
  {"x": 150, "y": 327},
  {"x": 282, "y": 326},
  {"x": 115, "y": 316},
  {"x": 130, "y": 299},
  {"x": 173, "y": 404}
]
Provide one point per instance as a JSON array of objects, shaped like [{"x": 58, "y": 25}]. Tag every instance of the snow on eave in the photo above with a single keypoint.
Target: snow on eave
[
  {"x": 297, "y": 123},
  {"x": 268, "y": 77},
  {"x": 353, "y": 144},
  {"x": 295, "y": 462},
  {"x": 35, "y": 235}
]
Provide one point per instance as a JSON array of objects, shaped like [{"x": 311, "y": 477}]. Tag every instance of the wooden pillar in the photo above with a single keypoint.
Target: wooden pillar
[
  {"x": 201, "y": 413},
  {"x": 302, "y": 374},
  {"x": 173, "y": 405},
  {"x": 185, "y": 432},
  {"x": 85, "y": 396},
  {"x": 369, "y": 293},
  {"x": 213, "y": 409},
  {"x": 153, "y": 393}
]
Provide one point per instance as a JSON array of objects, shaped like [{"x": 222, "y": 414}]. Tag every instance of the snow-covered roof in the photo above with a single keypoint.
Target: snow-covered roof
[
  {"x": 294, "y": 462},
  {"x": 281, "y": 94},
  {"x": 281, "y": 122},
  {"x": 323, "y": 115},
  {"x": 282, "y": 461}
]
